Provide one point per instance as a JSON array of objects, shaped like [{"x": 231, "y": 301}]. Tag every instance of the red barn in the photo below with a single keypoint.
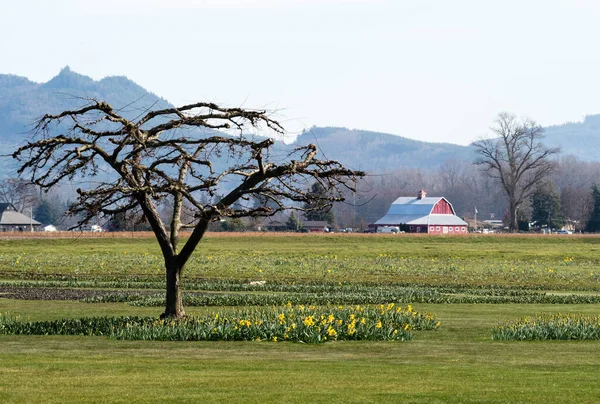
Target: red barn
[{"x": 434, "y": 215}]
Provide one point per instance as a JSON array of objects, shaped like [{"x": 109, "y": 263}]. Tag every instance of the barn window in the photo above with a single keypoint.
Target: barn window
[
  {"x": 432, "y": 228},
  {"x": 457, "y": 228},
  {"x": 464, "y": 229},
  {"x": 450, "y": 228},
  {"x": 418, "y": 229},
  {"x": 412, "y": 227},
  {"x": 437, "y": 228}
]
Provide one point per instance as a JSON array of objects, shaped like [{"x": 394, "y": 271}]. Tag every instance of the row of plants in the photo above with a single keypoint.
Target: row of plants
[
  {"x": 550, "y": 327},
  {"x": 372, "y": 297},
  {"x": 243, "y": 285},
  {"x": 87, "y": 326},
  {"x": 309, "y": 324},
  {"x": 549, "y": 272}
]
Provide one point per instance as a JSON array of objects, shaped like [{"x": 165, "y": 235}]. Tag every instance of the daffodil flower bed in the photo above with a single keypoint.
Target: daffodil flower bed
[
  {"x": 550, "y": 327},
  {"x": 309, "y": 324}
]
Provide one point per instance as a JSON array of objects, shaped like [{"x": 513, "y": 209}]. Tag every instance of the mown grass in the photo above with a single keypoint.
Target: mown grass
[{"x": 458, "y": 362}]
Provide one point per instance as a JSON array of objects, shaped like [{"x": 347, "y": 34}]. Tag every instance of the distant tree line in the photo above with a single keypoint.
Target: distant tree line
[
  {"x": 513, "y": 178},
  {"x": 570, "y": 195}
]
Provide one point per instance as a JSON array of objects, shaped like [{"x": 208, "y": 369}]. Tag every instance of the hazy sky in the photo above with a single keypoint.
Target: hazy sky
[{"x": 430, "y": 70}]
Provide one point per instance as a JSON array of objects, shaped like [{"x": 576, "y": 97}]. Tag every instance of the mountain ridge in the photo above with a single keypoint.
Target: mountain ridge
[{"x": 22, "y": 101}]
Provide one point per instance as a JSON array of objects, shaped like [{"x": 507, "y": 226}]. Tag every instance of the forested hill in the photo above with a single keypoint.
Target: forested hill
[
  {"x": 581, "y": 139},
  {"x": 381, "y": 152},
  {"x": 23, "y": 101}
]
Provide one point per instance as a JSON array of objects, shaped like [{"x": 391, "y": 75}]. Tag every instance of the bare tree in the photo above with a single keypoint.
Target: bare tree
[
  {"x": 452, "y": 173},
  {"x": 20, "y": 193},
  {"x": 516, "y": 157},
  {"x": 155, "y": 159},
  {"x": 574, "y": 179}
]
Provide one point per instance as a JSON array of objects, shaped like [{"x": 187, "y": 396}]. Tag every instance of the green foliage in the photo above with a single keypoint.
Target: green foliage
[
  {"x": 48, "y": 212},
  {"x": 318, "y": 214},
  {"x": 279, "y": 294},
  {"x": 288, "y": 323},
  {"x": 80, "y": 326},
  {"x": 235, "y": 224},
  {"x": 372, "y": 295},
  {"x": 293, "y": 223},
  {"x": 550, "y": 327},
  {"x": 118, "y": 222},
  {"x": 546, "y": 210},
  {"x": 593, "y": 224},
  {"x": 522, "y": 221}
]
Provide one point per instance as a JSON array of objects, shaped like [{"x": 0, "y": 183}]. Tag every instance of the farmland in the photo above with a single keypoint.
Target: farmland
[{"x": 471, "y": 285}]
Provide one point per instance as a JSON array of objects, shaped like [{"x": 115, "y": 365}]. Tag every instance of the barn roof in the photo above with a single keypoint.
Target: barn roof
[
  {"x": 407, "y": 205},
  {"x": 314, "y": 223},
  {"x": 10, "y": 217},
  {"x": 402, "y": 219},
  {"x": 413, "y": 211}
]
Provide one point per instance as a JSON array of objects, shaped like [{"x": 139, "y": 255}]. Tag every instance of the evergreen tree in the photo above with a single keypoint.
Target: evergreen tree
[
  {"x": 593, "y": 224},
  {"x": 318, "y": 214},
  {"x": 545, "y": 205},
  {"x": 293, "y": 223},
  {"x": 48, "y": 213},
  {"x": 118, "y": 222},
  {"x": 522, "y": 221},
  {"x": 234, "y": 224}
]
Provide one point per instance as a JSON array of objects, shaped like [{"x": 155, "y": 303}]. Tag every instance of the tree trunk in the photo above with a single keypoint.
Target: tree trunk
[
  {"x": 174, "y": 304},
  {"x": 513, "y": 225}
]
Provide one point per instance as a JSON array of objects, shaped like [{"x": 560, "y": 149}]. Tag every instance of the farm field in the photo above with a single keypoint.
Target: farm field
[{"x": 471, "y": 284}]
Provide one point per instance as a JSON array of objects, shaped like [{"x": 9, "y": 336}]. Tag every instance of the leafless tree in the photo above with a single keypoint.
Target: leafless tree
[
  {"x": 452, "y": 173},
  {"x": 516, "y": 157},
  {"x": 20, "y": 193},
  {"x": 574, "y": 179},
  {"x": 188, "y": 155}
]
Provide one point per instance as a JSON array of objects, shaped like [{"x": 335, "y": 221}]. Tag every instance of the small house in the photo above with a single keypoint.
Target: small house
[{"x": 12, "y": 220}]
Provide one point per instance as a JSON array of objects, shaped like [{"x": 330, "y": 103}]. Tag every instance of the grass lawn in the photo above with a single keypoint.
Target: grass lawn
[{"x": 457, "y": 363}]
